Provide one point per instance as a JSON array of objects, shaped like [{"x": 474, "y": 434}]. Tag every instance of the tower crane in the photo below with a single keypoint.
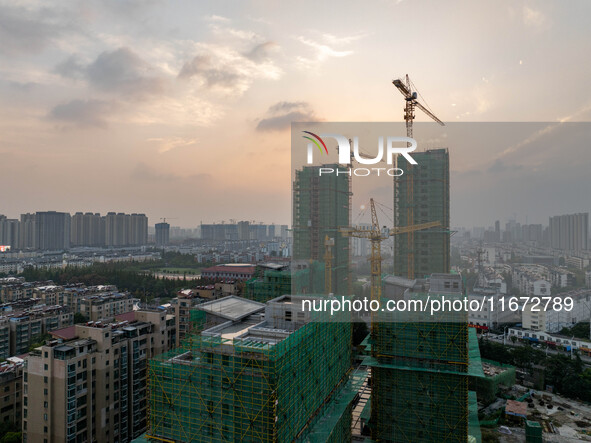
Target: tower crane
[
  {"x": 353, "y": 159},
  {"x": 405, "y": 87},
  {"x": 167, "y": 218},
  {"x": 376, "y": 235}
]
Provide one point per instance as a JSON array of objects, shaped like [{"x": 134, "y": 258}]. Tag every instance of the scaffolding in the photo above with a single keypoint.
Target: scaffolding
[
  {"x": 272, "y": 284},
  {"x": 321, "y": 205},
  {"x": 241, "y": 390},
  {"x": 421, "y": 195},
  {"x": 420, "y": 373}
]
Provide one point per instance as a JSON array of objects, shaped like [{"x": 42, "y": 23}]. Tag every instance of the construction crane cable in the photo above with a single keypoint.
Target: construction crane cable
[{"x": 423, "y": 101}]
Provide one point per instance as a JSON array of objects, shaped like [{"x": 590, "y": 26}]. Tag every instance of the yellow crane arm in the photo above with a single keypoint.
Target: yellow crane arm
[{"x": 413, "y": 228}]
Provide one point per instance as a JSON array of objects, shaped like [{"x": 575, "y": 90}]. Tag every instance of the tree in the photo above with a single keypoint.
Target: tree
[
  {"x": 79, "y": 318},
  {"x": 12, "y": 437}
]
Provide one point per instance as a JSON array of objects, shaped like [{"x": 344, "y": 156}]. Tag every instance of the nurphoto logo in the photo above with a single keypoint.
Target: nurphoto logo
[{"x": 393, "y": 146}]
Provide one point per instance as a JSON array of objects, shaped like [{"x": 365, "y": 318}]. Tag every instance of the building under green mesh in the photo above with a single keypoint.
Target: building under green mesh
[
  {"x": 321, "y": 205},
  {"x": 272, "y": 284},
  {"x": 420, "y": 371},
  {"x": 268, "y": 286},
  {"x": 421, "y": 195},
  {"x": 254, "y": 382},
  {"x": 494, "y": 375}
]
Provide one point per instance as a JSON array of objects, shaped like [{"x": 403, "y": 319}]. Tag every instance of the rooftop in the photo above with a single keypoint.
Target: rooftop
[
  {"x": 65, "y": 333},
  {"x": 517, "y": 408},
  {"x": 231, "y": 267},
  {"x": 232, "y": 307}
]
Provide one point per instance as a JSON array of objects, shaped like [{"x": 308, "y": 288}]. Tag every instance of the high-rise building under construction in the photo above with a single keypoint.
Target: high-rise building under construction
[
  {"x": 420, "y": 364},
  {"x": 321, "y": 206},
  {"x": 421, "y": 195}
]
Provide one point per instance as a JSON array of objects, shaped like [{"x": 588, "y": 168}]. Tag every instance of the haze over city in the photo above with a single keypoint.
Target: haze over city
[{"x": 173, "y": 112}]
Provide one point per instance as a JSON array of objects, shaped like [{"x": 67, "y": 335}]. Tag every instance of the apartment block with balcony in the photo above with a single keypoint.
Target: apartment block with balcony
[
  {"x": 29, "y": 325},
  {"x": 11, "y": 383},
  {"x": 89, "y": 384},
  {"x": 107, "y": 305}
]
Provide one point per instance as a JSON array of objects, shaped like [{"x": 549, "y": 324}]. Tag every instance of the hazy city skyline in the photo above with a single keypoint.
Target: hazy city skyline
[{"x": 183, "y": 112}]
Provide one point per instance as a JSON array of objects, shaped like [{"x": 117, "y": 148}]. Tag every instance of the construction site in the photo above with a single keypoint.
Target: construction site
[
  {"x": 260, "y": 369},
  {"x": 254, "y": 373}
]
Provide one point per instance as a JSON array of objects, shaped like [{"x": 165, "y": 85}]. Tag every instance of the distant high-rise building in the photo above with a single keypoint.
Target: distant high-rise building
[
  {"x": 532, "y": 233},
  {"x": 498, "y": 231},
  {"x": 27, "y": 238},
  {"x": 87, "y": 230},
  {"x": 162, "y": 234},
  {"x": 9, "y": 232},
  {"x": 125, "y": 229},
  {"x": 569, "y": 232},
  {"x": 427, "y": 194},
  {"x": 243, "y": 230},
  {"x": 138, "y": 234},
  {"x": 320, "y": 207},
  {"x": 52, "y": 230},
  {"x": 271, "y": 232}
]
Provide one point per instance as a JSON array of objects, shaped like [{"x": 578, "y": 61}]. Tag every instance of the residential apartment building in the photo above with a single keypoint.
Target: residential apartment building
[
  {"x": 11, "y": 386},
  {"x": 107, "y": 305},
  {"x": 9, "y": 232},
  {"x": 561, "y": 278},
  {"x": 531, "y": 280},
  {"x": 16, "y": 288},
  {"x": 4, "y": 338},
  {"x": 52, "y": 230},
  {"x": 90, "y": 385},
  {"x": 29, "y": 325},
  {"x": 182, "y": 306},
  {"x": 569, "y": 232}
]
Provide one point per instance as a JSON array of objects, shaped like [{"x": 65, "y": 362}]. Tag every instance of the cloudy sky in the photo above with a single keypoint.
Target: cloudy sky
[{"x": 182, "y": 109}]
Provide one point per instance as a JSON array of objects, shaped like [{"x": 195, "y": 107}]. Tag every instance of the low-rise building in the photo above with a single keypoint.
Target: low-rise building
[
  {"x": 561, "y": 278},
  {"x": 106, "y": 305},
  {"x": 551, "y": 340},
  {"x": 29, "y": 325},
  {"x": 229, "y": 271}
]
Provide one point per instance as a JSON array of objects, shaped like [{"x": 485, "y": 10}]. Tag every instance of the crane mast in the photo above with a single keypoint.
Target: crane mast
[
  {"x": 376, "y": 236},
  {"x": 405, "y": 88}
]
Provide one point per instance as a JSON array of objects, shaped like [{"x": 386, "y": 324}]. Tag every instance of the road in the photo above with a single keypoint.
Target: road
[{"x": 548, "y": 351}]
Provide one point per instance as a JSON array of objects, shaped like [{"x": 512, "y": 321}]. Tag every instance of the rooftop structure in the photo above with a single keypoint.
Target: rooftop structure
[{"x": 267, "y": 373}]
